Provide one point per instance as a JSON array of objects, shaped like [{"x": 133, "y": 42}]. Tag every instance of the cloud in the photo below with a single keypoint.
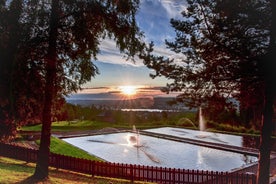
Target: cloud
[
  {"x": 109, "y": 54},
  {"x": 153, "y": 18},
  {"x": 174, "y": 7},
  {"x": 93, "y": 90},
  {"x": 114, "y": 93}
]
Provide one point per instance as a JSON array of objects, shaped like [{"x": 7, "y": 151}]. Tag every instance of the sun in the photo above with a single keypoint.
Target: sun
[{"x": 128, "y": 90}]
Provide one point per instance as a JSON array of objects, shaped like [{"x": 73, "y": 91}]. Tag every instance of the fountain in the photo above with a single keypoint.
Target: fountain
[
  {"x": 134, "y": 139},
  {"x": 202, "y": 123},
  {"x": 202, "y": 130}
]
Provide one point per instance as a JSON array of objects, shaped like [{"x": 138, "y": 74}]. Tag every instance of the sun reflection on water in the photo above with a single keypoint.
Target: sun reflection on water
[{"x": 132, "y": 140}]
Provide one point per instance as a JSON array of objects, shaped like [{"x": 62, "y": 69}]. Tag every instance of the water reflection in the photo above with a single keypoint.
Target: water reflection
[
  {"x": 147, "y": 150},
  {"x": 131, "y": 142},
  {"x": 200, "y": 135}
]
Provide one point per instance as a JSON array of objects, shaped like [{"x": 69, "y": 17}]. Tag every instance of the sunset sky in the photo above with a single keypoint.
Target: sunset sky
[{"x": 154, "y": 20}]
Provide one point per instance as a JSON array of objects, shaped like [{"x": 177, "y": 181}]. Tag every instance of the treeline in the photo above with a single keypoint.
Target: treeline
[
  {"x": 70, "y": 112},
  {"x": 224, "y": 120}
]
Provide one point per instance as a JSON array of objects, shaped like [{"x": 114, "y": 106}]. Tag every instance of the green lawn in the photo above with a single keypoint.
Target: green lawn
[
  {"x": 61, "y": 147},
  {"x": 65, "y": 126},
  {"x": 76, "y": 126}
]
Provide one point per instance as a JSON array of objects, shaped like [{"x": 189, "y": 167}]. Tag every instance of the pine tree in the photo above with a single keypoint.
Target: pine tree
[
  {"x": 228, "y": 50},
  {"x": 57, "y": 43}
]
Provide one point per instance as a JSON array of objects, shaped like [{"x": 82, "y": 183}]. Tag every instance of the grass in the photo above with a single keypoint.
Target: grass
[
  {"x": 61, "y": 147},
  {"x": 15, "y": 171},
  {"x": 67, "y": 126},
  {"x": 12, "y": 171},
  {"x": 64, "y": 126}
]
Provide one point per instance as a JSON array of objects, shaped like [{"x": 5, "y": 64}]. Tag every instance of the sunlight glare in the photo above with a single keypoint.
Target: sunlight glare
[{"x": 128, "y": 90}]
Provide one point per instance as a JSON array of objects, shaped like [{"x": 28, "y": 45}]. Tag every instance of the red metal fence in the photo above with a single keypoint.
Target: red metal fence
[{"x": 129, "y": 171}]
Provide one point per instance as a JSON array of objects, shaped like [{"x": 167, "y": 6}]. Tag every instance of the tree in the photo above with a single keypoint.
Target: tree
[
  {"x": 227, "y": 50},
  {"x": 20, "y": 79},
  {"x": 46, "y": 52},
  {"x": 73, "y": 31},
  {"x": 7, "y": 49}
]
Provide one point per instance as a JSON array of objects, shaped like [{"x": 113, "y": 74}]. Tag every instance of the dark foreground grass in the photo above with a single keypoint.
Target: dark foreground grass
[{"x": 20, "y": 172}]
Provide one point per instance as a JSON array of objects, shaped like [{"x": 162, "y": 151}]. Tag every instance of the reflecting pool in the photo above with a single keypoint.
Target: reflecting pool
[
  {"x": 121, "y": 148},
  {"x": 200, "y": 135}
]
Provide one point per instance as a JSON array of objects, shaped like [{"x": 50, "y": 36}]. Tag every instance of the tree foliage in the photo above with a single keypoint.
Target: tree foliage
[
  {"x": 25, "y": 30},
  {"x": 228, "y": 50},
  {"x": 20, "y": 78},
  {"x": 84, "y": 24},
  {"x": 47, "y": 48},
  {"x": 222, "y": 50}
]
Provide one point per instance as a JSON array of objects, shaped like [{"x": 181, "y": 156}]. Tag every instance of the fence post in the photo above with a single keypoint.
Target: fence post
[
  {"x": 217, "y": 177},
  {"x": 170, "y": 174},
  {"x": 92, "y": 166},
  {"x": 131, "y": 173},
  {"x": 254, "y": 179}
]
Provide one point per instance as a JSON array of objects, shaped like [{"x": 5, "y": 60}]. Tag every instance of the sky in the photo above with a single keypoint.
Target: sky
[{"x": 153, "y": 18}]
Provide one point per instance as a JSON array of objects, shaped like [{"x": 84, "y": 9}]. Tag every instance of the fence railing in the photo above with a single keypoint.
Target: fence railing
[{"x": 129, "y": 171}]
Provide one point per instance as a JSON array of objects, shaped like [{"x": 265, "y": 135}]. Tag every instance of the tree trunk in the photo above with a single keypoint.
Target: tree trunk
[
  {"x": 41, "y": 170},
  {"x": 265, "y": 146},
  {"x": 268, "y": 124}
]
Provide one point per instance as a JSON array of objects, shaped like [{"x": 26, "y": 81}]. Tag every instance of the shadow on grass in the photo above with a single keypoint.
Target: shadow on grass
[
  {"x": 18, "y": 167},
  {"x": 33, "y": 180},
  {"x": 59, "y": 176},
  {"x": 22, "y": 173}
]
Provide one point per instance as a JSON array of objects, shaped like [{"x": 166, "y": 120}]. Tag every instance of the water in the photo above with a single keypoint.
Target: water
[
  {"x": 152, "y": 151},
  {"x": 202, "y": 124},
  {"x": 148, "y": 110},
  {"x": 199, "y": 135}
]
